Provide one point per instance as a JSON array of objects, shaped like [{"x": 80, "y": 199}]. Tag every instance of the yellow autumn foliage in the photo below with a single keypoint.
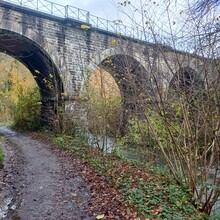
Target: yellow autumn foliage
[
  {"x": 103, "y": 84},
  {"x": 13, "y": 75},
  {"x": 104, "y": 103},
  {"x": 18, "y": 91}
]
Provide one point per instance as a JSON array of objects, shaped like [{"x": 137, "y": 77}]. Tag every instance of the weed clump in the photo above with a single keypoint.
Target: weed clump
[{"x": 1, "y": 157}]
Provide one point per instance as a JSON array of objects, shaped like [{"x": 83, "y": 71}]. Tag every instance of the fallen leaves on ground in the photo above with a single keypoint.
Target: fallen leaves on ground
[
  {"x": 105, "y": 200},
  {"x": 107, "y": 176}
]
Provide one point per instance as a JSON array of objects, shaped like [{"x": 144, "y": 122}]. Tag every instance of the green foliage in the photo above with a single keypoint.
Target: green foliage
[
  {"x": 19, "y": 97},
  {"x": 137, "y": 134},
  {"x": 158, "y": 170},
  {"x": 139, "y": 143},
  {"x": 71, "y": 143},
  {"x": 1, "y": 157},
  {"x": 104, "y": 115},
  {"x": 101, "y": 164},
  {"x": 159, "y": 199},
  {"x": 178, "y": 130},
  {"x": 7, "y": 107},
  {"x": 60, "y": 141},
  {"x": 1, "y": 152},
  {"x": 27, "y": 113},
  {"x": 103, "y": 106},
  {"x": 78, "y": 142}
]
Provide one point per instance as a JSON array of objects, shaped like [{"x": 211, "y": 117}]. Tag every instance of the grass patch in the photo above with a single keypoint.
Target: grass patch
[
  {"x": 1, "y": 152},
  {"x": 1, "y": 157},
  {"x": 6, "y": 123}
]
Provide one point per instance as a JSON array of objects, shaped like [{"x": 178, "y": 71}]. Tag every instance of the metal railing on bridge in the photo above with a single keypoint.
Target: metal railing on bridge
[{"x": 116, "y": 27}]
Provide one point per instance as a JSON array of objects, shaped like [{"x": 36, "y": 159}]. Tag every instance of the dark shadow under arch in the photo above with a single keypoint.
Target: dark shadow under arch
[
  {"x": 39, "y": 63},
  {"x": 186, "y": 82},
  {"x": 133, "y": 82}
]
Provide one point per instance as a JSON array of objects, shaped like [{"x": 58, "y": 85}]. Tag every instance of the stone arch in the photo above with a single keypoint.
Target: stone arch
[
  {"x": 186, "y": 80},
  {"x": 42, "y": 67},
  {"x": 98, "y": 57},
  {"x": 131, "y": 76}
]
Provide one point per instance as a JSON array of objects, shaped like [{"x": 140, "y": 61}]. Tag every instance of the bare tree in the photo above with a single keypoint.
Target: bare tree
[
  {"x": 183, "y": 125},
  {"x": 205, "y": 6}
]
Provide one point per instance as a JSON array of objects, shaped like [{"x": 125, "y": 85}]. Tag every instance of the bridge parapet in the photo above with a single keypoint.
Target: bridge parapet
[
  {"x": 115, "y": 27},
  {"x": 71, "y": 12}
]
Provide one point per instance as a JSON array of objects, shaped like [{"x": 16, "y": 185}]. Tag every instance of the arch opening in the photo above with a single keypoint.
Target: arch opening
[
  {"x": 41, "y": 66},
  {"x": 186, "y": 82},
  {"x": 19, "y": 95},
  {"x": 133, "y": 84},
  {"x": 104, "y": 104}
]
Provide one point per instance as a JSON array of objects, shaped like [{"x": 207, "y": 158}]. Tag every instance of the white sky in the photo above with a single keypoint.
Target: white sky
[
  {"x": 108, "y": 9},
  {"x": 101, "y": 8},
  {"x": 153, "y": 16}
]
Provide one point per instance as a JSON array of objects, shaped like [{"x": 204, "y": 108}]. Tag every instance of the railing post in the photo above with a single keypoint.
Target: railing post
[
  {"x": 66, "y": 11},
  {"x": 87, "y": 17},
  {"x": 37, "y": 5},
  {"x": 51, "y": 9}
]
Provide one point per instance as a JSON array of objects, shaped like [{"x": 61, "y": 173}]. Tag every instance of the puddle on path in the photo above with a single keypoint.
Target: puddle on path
[
  {"x": 7, "y": 131},
  {"x": 4, "y": 206}
]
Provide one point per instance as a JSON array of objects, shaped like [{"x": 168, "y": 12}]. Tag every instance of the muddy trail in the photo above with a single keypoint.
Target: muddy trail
[{"x": 38, "y": 182}]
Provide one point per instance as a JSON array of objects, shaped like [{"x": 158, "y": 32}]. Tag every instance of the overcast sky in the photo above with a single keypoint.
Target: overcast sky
[
  {"x": 101, "y": 8},
  {"x": 155, "y": 16},
  {"x": 108, "y": 9}
]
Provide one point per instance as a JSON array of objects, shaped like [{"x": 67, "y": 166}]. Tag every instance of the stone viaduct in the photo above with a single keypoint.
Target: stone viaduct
[{"x": 61, "y": 52}]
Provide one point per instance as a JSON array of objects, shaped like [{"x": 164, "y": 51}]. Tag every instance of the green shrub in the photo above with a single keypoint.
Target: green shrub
[
  {"x": 60, "y": 141},
  {"x": 104, "y": 115},
  {"x": 7, "y": 107},
  {"x": 27, "y": 113}
]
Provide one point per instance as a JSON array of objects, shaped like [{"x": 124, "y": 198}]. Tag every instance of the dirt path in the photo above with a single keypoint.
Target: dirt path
[{"x": 39, "y": 183}]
